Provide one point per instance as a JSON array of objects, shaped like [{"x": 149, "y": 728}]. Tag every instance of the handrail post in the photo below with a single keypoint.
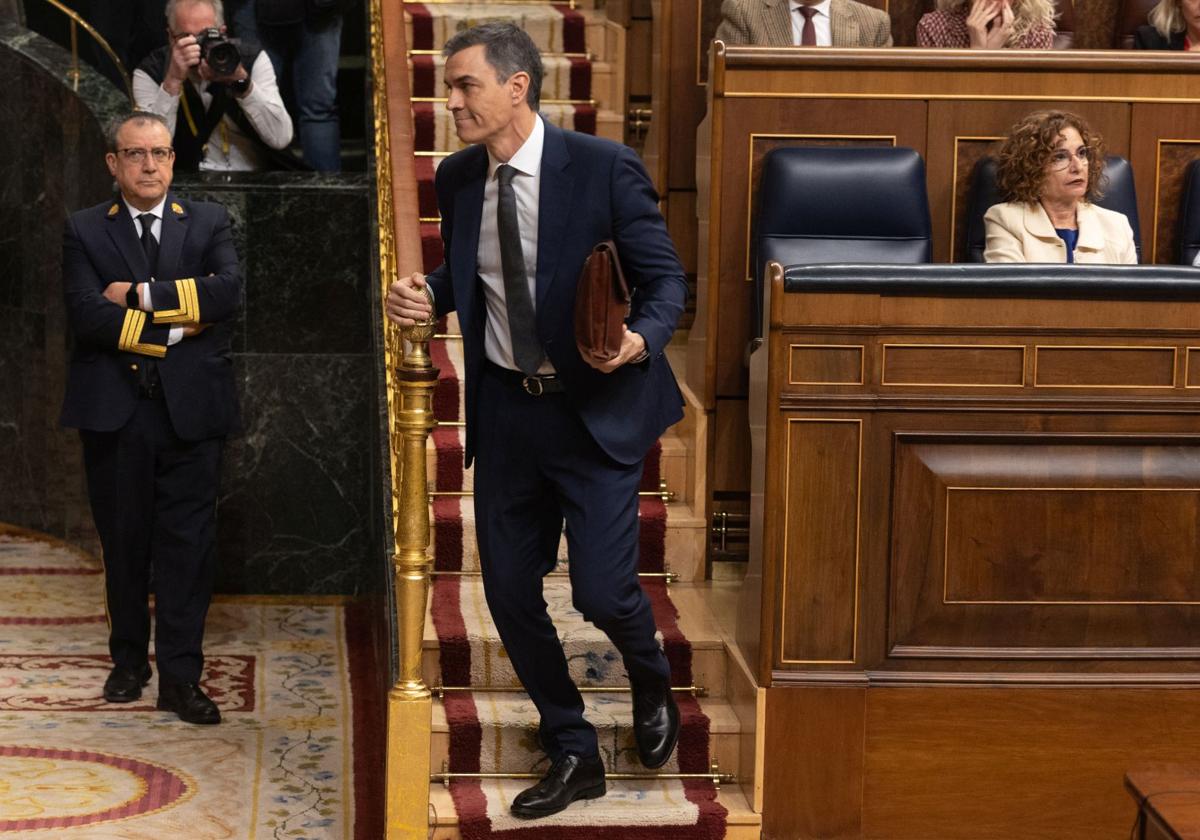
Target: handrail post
[{"x": 410, "y": 703}]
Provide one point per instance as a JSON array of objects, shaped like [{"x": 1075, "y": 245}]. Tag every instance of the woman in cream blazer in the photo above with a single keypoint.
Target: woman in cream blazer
[{"x": 1048, "y": 168}]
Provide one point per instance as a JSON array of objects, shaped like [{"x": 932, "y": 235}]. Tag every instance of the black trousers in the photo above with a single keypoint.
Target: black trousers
[
  {"x": 536, "y": 465},
  {"x": 153, "y": 500}
]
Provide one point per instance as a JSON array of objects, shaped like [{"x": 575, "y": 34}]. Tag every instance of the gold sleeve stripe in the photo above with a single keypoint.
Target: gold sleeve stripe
[
  {"x": 189, "y": 305},
  {"x": 131, "y": 333}
]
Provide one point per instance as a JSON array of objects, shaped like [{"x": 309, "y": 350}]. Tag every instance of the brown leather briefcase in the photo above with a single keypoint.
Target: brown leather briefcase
[{"x": 601, "y": 304}]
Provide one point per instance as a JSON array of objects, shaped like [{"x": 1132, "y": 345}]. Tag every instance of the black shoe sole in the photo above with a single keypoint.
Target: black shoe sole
[
  {"x": 166, "y": 707},
  {"x": 123, "y": 699},
  {"x": 594, "y": 792}
]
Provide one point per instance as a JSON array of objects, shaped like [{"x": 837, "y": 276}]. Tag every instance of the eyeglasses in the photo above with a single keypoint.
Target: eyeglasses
[
  {"x": 161, "y": 154},
  {"x": 1061, "y": 158}
]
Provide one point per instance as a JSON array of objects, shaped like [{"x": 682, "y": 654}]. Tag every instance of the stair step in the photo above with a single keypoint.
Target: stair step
[
  {"x": 742, "y": 822},
  {"x": 696, "y": 623},
  {"x": 513, "y": 746}
]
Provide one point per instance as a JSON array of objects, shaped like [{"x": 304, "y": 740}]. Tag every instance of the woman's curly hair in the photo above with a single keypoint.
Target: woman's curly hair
[{"x": 1021, "y": 162}]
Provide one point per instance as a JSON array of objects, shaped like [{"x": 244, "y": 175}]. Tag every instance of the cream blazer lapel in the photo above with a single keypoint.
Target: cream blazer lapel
[
  {"x": 1091, "y": 230},
  {"x": 777, "y": 22},
  {"x": 843, "y": 25}
]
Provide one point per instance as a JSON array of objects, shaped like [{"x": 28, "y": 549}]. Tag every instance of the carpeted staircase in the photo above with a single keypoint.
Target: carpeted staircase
[{"x": 483, "y": 722}]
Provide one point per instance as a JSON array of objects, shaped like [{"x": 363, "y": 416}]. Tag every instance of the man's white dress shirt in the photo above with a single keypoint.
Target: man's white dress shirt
[{"x": 821, "y": 23}]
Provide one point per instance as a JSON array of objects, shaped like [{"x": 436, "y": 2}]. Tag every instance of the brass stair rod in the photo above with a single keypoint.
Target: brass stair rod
[{"x": 74, "y": 73}]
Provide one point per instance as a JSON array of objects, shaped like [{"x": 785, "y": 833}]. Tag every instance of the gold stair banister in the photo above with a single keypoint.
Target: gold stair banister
[
  {"x": 76, "y": 22},
  {"x": 410, "y": 379}
]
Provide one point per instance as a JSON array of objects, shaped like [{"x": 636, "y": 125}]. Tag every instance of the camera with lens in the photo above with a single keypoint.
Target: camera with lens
[{"x": 220, "y": 53}]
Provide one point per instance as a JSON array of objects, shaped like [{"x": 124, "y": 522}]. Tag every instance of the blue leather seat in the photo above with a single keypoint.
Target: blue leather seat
[
  {"x": 1189, "y": 215},
  {"x": 838, "y": 204},
  {"x": 1119, "y": 195}
]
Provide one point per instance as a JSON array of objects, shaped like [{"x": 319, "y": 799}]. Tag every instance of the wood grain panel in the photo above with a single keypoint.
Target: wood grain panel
[
  {"x": 1024, "y": 545},
  {"x": 813, "y": 775},
  {"x": 1192, "y": 367},
  {"x": 1173, "y": 159},
  {"x": 819, "y": 578},
  {"x": 998, "y": 764},
  {"x": 1029, "y": 546},
  {"x": 967, "y": 152},
  {"x": 1168, "y": 798},
  {"x": 1104, "y": 367},
  {"x": 826, "y": 364},
  {"x": 731, "y": 451},
  {"x": 953, "y": 365}
]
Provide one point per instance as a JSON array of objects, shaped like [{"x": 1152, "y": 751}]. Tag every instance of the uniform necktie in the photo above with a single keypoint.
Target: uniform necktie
[
  {"x": 149, "y": 243},
  {"x": 808, "y": 35},
  {"x": 527, "y": 352}
]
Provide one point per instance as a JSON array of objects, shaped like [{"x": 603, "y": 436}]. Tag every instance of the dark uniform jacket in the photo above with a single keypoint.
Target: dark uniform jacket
[
  {"x": 198, "y": 281},
  {"x": 1148, "y": 38}
]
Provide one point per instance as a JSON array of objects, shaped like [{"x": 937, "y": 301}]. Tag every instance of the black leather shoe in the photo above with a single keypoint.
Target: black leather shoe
[
  {"x": 569, "y": 778},
  {"x": 655, "y": 723},
  {"x": 124, "y": 685},
  {"x": 188, "y": 701}
]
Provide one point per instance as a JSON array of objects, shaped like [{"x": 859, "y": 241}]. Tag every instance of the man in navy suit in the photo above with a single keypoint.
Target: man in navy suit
[
  {"x": 152, "y": 284},
  {"x": 553, "y": 437}
]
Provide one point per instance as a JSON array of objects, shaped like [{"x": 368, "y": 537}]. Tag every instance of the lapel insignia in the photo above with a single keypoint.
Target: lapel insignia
[
  {"x": 176, "y": 208},
  {"x": 112, "y": 211}
]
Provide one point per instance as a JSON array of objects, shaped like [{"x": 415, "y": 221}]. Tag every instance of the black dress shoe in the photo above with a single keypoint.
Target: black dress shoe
[
  {"x": 125, "y": 685},
  {"x": 655, "y": 723},
  {"x": 188, "y": 701},
  {"x": 569, "y": 778}
]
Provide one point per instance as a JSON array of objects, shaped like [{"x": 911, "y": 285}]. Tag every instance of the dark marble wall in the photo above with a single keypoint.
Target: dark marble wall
[
  {"x": 300, "y": 504},
  {"x": 51, "y": 162}
]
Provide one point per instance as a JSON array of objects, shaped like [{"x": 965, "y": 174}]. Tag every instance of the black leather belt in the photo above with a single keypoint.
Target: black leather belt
[
  {"x": 151, "y": 390},
  {"x": 533, "y": 385}
]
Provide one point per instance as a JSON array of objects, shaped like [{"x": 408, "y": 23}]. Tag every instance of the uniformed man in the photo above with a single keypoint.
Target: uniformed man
[{"x": 152, "y": 284}]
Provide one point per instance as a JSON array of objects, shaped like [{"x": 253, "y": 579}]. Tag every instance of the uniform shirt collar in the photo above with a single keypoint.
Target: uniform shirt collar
[
  {"x": 528, "y": 159},
  {"x": 156, "y": 210}
]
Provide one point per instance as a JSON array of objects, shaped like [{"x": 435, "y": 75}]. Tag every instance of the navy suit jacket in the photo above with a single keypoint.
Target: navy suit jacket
[
  {"x": 591, "y": 190},
  {"x": 198, "y": 281}
]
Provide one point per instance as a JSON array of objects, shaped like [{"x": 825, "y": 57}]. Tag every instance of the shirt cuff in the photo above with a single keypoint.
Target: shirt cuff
[
  {"x": 144, "y": 296},
  {"x": 174, "y": 336}
]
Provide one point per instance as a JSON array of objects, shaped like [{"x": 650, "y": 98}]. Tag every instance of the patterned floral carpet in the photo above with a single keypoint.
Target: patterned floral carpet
[{"x": 280, "y": 765}]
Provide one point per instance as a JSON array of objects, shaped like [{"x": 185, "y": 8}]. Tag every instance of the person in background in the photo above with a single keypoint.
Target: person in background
[
  {"x": 133, "y": 28},
  {"x": 803, "y": 23},
  {"x": 1049, "y": 168},
  {"x": 1174, "y": 25},
  {"x": 303, "y": 39},
  {"x": 152, "y": 285},
  {"x": 232, "y": 119},
  {"x": 988, "y": 25}
]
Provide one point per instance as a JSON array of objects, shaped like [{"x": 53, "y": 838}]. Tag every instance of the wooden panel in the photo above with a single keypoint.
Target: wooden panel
[
  {"x": 1040, "y": 546},
  {"x": 1025, "y": 545},
  {"x": 953, "y": 365},
  {"x": 819, "y": 576},
  {"x": 967, "y": 153},
  {"x": 1108, "y": 367},
  {"x": 813, "y": 782},
  {"x": 996, "y": 764},
  {"x": 731, "y": 448},
  {"x": 1168, "y": 798},
  {"x": 827, "y": 364},
  {"x": 1192, "y": 375},
  {"x": 1165, "y": 139}
]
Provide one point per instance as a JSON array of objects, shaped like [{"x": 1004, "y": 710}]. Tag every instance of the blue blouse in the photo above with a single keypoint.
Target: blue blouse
[{"x": 1070, "y": 237}]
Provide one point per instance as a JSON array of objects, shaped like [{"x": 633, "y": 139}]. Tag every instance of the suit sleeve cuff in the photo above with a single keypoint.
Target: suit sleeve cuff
[
  {"x": 138, "y": 336},
  {"x": 176, "y": 302}
]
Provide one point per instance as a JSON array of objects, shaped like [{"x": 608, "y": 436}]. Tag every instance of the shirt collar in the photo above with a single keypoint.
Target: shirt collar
[
  {"x": 528, "y": 159},
  {"x": 822, "y": 7},
  {"x": 156, "y": 210}
]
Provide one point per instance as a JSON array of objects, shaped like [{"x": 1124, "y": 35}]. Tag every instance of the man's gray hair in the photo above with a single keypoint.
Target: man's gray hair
[
  {"x": 508, "y": 49},
  {"x": 139, "y": 117},
  {"x": 217, "y": 6}
]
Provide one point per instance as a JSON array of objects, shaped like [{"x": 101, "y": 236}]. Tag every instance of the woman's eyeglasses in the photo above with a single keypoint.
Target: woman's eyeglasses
[{"x": 1061, "y": 158}]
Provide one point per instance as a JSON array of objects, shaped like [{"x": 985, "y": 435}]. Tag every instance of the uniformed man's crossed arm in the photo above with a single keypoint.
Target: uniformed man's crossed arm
[{"x": 166, "y": 311}]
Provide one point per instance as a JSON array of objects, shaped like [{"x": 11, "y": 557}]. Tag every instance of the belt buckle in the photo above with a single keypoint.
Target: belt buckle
[{"x": 533, "y": 385}]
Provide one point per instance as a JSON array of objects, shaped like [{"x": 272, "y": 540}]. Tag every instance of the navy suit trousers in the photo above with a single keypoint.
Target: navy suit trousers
[
  {"x": 537, "y": 466},
  {"x": 154, "y": 502}
]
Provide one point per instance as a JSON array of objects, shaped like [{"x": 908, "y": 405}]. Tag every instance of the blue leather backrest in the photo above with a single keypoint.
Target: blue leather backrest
[
  {"x": 838, "y": 204},
  {"x": 1119, "y": 195},
  {"x": 1189, "y": 215}
]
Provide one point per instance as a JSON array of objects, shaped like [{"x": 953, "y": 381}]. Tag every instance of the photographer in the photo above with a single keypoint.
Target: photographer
[{"x": 221, "y": 115}]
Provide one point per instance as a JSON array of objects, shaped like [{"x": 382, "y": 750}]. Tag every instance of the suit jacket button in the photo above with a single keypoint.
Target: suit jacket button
[{"x": 133, "y": 367}]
